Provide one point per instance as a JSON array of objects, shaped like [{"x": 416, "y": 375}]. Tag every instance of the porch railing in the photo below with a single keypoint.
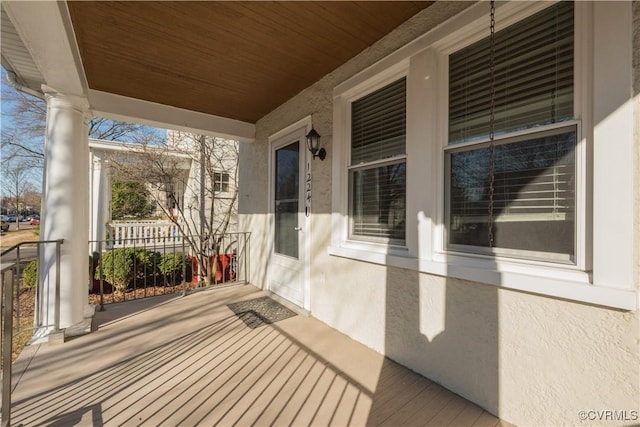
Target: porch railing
[
  {"x": 14, "y": 321},
  {"x": 143, "y": 233},
  {"x": 131, "y": 268}
]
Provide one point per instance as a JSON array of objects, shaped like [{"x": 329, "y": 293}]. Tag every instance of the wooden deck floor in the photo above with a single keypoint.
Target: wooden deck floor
[{"x": 190, "y": 361}]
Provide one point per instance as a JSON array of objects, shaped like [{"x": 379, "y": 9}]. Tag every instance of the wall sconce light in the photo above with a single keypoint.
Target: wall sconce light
[{"x": 313, "y": 144}]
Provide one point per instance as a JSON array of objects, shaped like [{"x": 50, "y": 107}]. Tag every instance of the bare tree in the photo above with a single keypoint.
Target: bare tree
[
  {"x": 193, "y": 180},
  {"x": 24, "y": 124},
  {"x": 17, "y": 176}
]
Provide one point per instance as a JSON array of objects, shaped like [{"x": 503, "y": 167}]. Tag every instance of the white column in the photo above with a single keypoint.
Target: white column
[
  {"x": 65, "y": 213},
  {"x": 100, "y": 197}
]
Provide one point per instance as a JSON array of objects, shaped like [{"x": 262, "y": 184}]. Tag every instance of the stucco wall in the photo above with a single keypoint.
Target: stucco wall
[{"x": 529, "y": 359}]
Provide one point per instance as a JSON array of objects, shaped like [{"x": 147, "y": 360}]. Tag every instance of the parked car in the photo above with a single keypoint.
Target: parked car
[
  {"x": 34, "y": 220},
  {"x": 4, "y": 226}
]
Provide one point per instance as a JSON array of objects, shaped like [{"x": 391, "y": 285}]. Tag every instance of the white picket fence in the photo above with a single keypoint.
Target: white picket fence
[{"x": 143, "y": 234}]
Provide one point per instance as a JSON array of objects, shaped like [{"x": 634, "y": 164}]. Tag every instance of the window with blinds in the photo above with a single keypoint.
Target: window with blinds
[
  {"x": 377, "y": 172},
  {"x": 533, "y": 77},
  {"x": 534, "y": 176},
  {"x": 534, "y": 195}
]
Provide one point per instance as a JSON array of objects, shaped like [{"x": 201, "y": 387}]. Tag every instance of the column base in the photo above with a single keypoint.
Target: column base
[{"x": 52, "y": 337}]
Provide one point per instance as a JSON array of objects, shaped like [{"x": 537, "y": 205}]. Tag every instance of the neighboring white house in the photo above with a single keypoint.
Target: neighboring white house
[
  {"x": 220, "y": 175},
  {"x": 179, "y": 197},
  {"x": 104, "y": 160},
  {"x": 506, "y": 269}
]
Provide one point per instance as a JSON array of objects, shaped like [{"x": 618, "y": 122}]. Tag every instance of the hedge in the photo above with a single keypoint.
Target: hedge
[
  {"x": 30, "y": 275},
  {"x": 120, "y": 266}
]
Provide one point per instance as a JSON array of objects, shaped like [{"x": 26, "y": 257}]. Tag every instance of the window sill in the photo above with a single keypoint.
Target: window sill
[{"x": 555, "y": 283}]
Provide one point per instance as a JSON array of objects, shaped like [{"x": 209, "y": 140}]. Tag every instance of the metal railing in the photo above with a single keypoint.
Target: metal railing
[
  {"x": 133, "y": 269},
  {"x": 6, "y": 277},
  {"x": 11, "y": 289}
]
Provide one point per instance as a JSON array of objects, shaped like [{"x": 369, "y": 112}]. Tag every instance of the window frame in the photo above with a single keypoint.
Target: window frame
[
  {"x": 373, "y": 164},
  {"x": 395, "y": 160},
  {"x": 221, "y": 185},
  {"x": 497, "y": 251},
  {"x": 342, "y": 114},
  {"x": 603, "y": 274},
  {"x": 581, "y": 119}
]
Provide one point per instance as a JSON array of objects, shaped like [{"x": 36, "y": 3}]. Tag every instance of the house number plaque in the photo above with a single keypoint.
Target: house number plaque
[{"x": 307, "y": 186}]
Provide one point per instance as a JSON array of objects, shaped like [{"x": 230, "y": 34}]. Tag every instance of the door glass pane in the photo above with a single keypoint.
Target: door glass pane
[{"x": 286, "y": 200}]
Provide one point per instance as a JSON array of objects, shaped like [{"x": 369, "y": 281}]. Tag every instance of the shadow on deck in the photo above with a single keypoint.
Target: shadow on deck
[{"x": 191, "y": 361}]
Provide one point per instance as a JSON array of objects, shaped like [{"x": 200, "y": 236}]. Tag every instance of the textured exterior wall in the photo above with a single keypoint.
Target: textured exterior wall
[
  {"x": 529, "y": 359},
  {"x": 636, "y": 134}
]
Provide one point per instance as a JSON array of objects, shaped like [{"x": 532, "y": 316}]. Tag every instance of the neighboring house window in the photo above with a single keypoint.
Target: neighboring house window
[
  {"x": 170, "y": 196},
  {"x": 534, "y": 178},
  {"x": 221, "y": 181},
  {"x": 377, "y": 169}
]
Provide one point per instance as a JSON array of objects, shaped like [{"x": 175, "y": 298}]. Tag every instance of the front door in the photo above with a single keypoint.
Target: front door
[{"x": 286, "y": 272}]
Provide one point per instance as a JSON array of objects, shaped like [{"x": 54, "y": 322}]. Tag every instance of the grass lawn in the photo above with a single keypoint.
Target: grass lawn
[{"x": 13, "y": 237}]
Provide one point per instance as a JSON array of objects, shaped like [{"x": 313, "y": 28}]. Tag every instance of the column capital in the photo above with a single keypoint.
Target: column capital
[{"x": 59, "y": 99}]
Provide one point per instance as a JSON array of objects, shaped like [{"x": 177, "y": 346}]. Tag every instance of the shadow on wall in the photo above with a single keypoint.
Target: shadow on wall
[{"x": 448, "y": 331}]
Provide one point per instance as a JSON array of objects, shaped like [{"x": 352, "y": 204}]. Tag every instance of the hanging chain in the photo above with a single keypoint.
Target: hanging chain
[{"x": 492, "y": 106}]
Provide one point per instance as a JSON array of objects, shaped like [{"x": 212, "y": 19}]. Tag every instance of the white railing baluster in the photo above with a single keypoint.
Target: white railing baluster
[{"x": 142, "y": 233}]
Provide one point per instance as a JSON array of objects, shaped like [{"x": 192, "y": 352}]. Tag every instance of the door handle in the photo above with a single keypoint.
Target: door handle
[{"x": 297, "y": 228}]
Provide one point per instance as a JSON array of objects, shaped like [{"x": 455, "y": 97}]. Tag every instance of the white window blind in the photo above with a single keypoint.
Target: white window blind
[
  {"x": 533, "y": 77},
  {"x": 534, "y": 171},
  {"x": 378, "y": 165},
  {"x": 378, "y": 123},
  {"x": 534, "y": 198},
  {"x": 379, "y": 202}
]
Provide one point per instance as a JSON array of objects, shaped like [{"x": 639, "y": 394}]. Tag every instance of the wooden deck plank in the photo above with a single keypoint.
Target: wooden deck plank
[
  {"x": 255, "y": 386},
  {"x": 184, "y": 382},
  {"x": 346, "y": 407},
  {"x": 271, "y": 395},
  {"x": 468, "y": 416},
  {"x": 408, "y": 411},
  {"x": 213, "y": 391},
  {"x": 246, "y": 379},
  {"x": 486, "y": 420},
  {"x": 309, "y": 409},
  {"x": 269, "y": 414},
  {"x": 361, "y": 410},
  {"x": 449, "y": 412},
  {"x": 300, "y": 395},
  {"x": 397, "y": 398},
  {"x": 188, "y": 361},
  {"x": 331, "y": 401},
  {"x": 428, "y": 412}
]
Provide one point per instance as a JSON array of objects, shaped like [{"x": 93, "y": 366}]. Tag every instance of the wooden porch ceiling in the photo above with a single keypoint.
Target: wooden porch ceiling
[{"x": 238, "y": 60}]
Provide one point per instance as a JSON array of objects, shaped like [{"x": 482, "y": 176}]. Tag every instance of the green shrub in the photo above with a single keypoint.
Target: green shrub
[
  {"x": 172, "y": 263},
  {"x": 120, "y": 266},
  {"x": 145, "y": 261},
  {"x": 30, "y": 275}
]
